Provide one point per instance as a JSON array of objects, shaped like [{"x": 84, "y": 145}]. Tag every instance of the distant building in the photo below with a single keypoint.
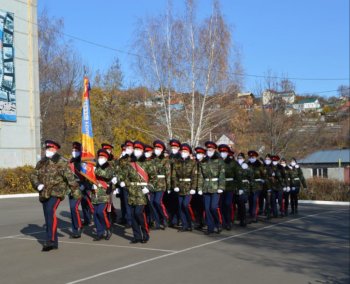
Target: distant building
[
  {"x": 270, "y": 95},
  {"x": 332, "y": 164},
  {"x": 309, "y": 104},
  {"x": 245, "y": 100},
  {"x": 227, "y": 139}
]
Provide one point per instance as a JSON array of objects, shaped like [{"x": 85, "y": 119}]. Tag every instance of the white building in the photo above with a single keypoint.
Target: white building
[
  {"x": 309, "y": 104},
  {"x": 19, "y": 79},
  {"x": 270, "y": 95}
]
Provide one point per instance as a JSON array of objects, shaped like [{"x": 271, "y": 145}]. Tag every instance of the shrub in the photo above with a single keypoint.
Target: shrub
[
  {"x": 16, "y": 180},
  {"x": 326, "y": 189}
]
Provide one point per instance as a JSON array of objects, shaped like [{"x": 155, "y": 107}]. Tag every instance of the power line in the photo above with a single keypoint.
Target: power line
[{"x": 226, "y": 72}]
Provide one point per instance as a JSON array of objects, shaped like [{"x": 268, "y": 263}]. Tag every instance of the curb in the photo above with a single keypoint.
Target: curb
[
  {"x": 21, "y": 195},
  {"x": 322, "y": 202}
]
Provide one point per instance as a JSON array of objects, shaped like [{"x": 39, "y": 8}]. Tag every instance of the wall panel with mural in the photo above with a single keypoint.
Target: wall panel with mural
[{"x": 7, "y": 68}]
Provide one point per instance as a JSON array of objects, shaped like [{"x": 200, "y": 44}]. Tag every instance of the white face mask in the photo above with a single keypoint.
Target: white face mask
[
  {"x": 293, "y": 163},
  {"x": 138, "y": 153},
  {"x": 129, "y": 151},
  {"x": 49, "y": 153},
  {"x": 76, "y": 154},
  {"x": 268, "y": 162},
  {"x": 101, "y": 161},
  {"x": 200, "y": 156},
  {"x": 275, "y": 163},
  {"x": 224, "y": 155},
  {"x": 252, "y": 160},
  {"x": 148, "y": 154},
  {"x": 123, "y": 154},
  {"x": 184, "y": 155},
  {"x": 174, "y": 150},
  {"x": 283, "y": 165},
  {"x": 210, "y": 153},
  {"x": 158, "y": 152}
]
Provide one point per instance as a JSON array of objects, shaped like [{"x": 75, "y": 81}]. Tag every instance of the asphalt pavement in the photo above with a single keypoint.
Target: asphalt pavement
[{"x": 311, "y": 247}]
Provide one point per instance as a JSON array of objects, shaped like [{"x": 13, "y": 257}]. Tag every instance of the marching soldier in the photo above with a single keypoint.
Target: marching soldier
[
  {"x": 256, "y": 185},
  {"x": 277, "y": 188},
  {"x": 245, "y": 177},
  {"x": 162, "y": 184},
  {"x": 100, "y": 196},
  {"x": 227, "y": 201},
  {"x": 296, "y": 180},
  {"x": 285, "y": 174},
  {"x": 171, "y": 197},
  {"x": 139, "y": 176},
  {"x": 75, "y": 197},
  {"x": 268, "y": 185},
  {"x": 53, "y": 179},
  {"x": 183, "y": 176},
  {"x": 212, "y": 185}
]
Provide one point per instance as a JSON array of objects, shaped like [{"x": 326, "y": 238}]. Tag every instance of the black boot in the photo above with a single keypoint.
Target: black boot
[{"x": 108, "y": 235}]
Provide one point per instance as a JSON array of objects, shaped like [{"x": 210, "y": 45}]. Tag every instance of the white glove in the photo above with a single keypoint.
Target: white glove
[
  {"x": 81, "y": 187},
  {"x": 284, "y": 189},
  {"x": 94, "y": 186},
  {"x": 192, "y": 191},
  {"x": 240, "y": 192},
  {"x": 288, "y": 189},
  {"x": 220, "y": 191},
  {"x": 293, "y": 188},
  {"x": 145, "y": 190},
  {"x": 168, "y": 191},
  {"x": 200, "y": 192},
  {"x": 114, "y": 180},
  {"x": 40, "y": 187},
  {"x": 122, "y": 184},
  {"x": 244, "y": 166},
  {"x": 116, "y": 191},
  {"x": 176, "y": 189}
]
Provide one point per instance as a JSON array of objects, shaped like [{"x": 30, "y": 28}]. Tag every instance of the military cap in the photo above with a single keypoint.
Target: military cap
[
  {"x": 106, "y": 146},
  {"x": 76, "y": 145},
  {"x": 159, "y": 144},
  {"x": 128, "y": 143},
  {"x": 139, "y": 145},
  {"x": 268, "y": 156},
  {"x": 253, "y": 153},
  {"x": 283, "y": 160},
  {"x": 175, "y": 143},
  {"x": 148, "y": 148},
  {"x": 185, "y": 147},
  {"x": 275, "y": 158},
  {"x": 122, "y": 146},
  {"x": 200, "y": 149},
  {"x": 231, "y": 152},
  {"x": 103, "y": 153},
  {"x": 52, "y": 144},
  {"x": 241, "y": 155},
  {"x": 224, "y": 148},
  {"x": 211, "y": 144}
]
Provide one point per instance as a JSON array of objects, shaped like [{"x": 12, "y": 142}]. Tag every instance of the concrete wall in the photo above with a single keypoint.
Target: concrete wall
[
  {"x": 333, "y": 173},
  {"x": 20, "y": 140}
]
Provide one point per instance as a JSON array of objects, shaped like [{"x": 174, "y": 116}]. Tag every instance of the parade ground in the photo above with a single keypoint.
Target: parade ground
[{"x": 312, "y": 247}]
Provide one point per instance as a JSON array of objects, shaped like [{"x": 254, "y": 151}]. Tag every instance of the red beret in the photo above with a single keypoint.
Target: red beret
[
  {"x": 106, "y": 146},
  {"x": 200, "y": 150},
  {"x": 253, "y": 153},
  {"x": 275, "y": 158},
  {"x": 129, "y": 143},
  {"x": 224, "y": 148},
  {"x": 175, "y": 143},
  {"x": 103, "y": 153},
  {"x": 52, "y": 144},
  {"x": 159, "y": 144},
  {"x": 148, "y": 148},
  {"x": 186, "y": 147},
  {"x": 211, "y": 144},
  {"x": 139, "y": 145}
]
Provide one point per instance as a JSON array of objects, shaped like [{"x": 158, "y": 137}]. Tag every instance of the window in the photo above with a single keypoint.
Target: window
[{"x": 320, "y": 172}]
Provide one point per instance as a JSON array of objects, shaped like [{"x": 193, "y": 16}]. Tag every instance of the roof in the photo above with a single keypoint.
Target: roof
[
  {"x": 225, "y": 139},
  {"x": 308, "y": 100},
  {"x": 327, "y": 157}
]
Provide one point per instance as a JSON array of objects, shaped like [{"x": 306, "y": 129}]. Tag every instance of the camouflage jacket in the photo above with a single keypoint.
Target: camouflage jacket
[
  {"x": 296, "y": 177},
  {"x": 273, "y": 177},
  {"x": 285, "y": 175},
  {"x": 259, "y": 176},
  {"x": 75, "y": 166},
  {"x": 104, "y": 173},
  {"x": 162, "y": 166},
  {"x": 134, "y": 182},
  {"x": 120, "y": 166},
  {"x": 184, "y": 175},
  {"x": 231, "y": 174},
  {"x": 56, "y": 176},
  {"x": 212, "y": 174},
  {"x": 244, "y": 179},
  {"x": 172, "y": 158}
]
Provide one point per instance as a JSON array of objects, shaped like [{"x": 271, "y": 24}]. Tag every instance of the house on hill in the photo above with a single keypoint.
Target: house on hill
[
  {"x": 270, "y": 95},
  {"x": 332, "y": 164},
  {"x": 309, "y": 104}
]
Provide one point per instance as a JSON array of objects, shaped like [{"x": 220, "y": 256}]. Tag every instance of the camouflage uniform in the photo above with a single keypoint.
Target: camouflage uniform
[
  {"x": 285, "y": 181},
  {"x": 184, "y": 178},
  {"x": 296, "y": 180},
  {"x": 58, "y": 180},
  {"x": 211, "y": 179}
]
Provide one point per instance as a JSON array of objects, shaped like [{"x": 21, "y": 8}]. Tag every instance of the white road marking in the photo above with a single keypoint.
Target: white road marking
[{"x": 195, "y": 247}]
